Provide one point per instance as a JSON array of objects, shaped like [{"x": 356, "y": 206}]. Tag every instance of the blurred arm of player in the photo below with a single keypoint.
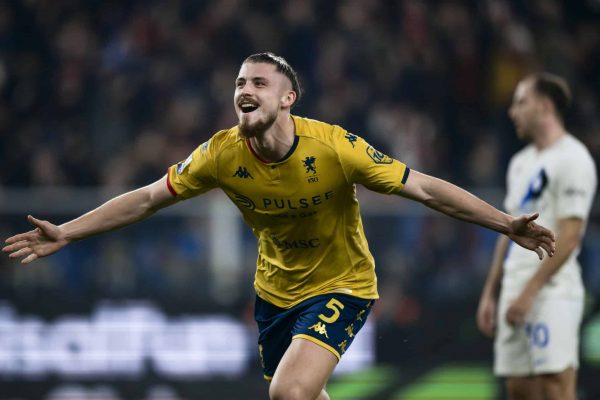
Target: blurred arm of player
[
  {"x": 120, "y": 211},
  {"x": 569, "y": 237},
  {"x": 458, "y": 203},
  {"x": 486, "y": 312}
]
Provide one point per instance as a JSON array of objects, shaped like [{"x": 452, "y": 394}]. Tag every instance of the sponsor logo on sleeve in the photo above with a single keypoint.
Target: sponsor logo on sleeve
[
  {"x": 378, "y": 157},
  {"x": 575, "y": 192}
]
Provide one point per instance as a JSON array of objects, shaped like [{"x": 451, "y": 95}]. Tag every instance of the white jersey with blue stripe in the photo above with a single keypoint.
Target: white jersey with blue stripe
[{"x": 558, "y": 182}]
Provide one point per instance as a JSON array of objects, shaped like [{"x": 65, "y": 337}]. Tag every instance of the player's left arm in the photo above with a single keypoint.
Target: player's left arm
[
  {"x": 451, "y": 200},
  {"x": 363, "y": 164},
  {"x": 570, "y": 232}
]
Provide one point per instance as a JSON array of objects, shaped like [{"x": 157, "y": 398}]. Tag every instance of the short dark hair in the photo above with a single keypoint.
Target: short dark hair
[
  {"x": 556, "y": 89},
  {"x": 282, "y": 66}
]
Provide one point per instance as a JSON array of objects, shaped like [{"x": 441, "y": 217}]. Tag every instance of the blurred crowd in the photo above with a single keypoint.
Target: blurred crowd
[
  {"x": 112, "y": 93},
  {"x": 96, "y": 93},
  {"x": 109, "y": 94}
]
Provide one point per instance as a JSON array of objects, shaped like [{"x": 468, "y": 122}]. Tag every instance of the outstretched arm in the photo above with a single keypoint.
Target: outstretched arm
[
  {"x": 123, "y": 210},
  {"x": 458, "y": 203}
]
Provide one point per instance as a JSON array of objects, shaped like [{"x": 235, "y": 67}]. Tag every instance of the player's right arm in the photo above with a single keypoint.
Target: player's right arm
[
  {"x": 123, "y": 210},
  {"x": 487, "y": 309}
]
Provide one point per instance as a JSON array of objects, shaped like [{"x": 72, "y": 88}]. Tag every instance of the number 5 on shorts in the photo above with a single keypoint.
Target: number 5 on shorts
[{"x": 334, "y": 305}]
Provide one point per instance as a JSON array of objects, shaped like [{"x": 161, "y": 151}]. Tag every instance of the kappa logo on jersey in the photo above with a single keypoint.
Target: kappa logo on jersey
[
  {"x": 242, "y": 172},
  {"x": 181, "y": 166},
  {"x": 351, "y": 138},
  {"x": 378, "y": 157},
  {"x": 320, "y": 327},
  {"x": 359, "y": 315},
  {"x": 309, "y": 163},
  {"x": 244, "y": 201},
  {"x": 350, "y": 330},
  {"x": 260, "y": 354}
]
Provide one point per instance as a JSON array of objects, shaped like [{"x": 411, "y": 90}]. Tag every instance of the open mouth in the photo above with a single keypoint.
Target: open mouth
[{"x": 248, "y": 107}]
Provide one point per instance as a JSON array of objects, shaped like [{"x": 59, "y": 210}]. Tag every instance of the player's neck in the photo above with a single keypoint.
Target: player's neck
[
  {"x": 273, "y": 144},
  {"x": 551, "y": 133}
]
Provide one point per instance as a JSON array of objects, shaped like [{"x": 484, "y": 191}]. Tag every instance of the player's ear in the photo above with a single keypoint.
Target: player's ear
[
  {"x": 288, "y": 99},
  {"x": 547, "y": 105}
]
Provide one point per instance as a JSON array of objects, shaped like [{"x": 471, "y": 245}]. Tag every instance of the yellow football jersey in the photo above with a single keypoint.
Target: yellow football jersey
[{"x": 303, "y": 209}]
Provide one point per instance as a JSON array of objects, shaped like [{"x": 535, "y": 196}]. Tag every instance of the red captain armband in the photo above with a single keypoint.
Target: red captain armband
[{"x": 169, "y": 186}]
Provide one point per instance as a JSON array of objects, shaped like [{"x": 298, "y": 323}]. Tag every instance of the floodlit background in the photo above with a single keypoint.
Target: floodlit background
[{"x": 99, "y": 97}]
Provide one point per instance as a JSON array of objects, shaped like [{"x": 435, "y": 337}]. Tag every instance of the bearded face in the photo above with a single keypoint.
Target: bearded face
[
  {"x": 253, "y": 123},
  {"x": 260, "y": 94}
]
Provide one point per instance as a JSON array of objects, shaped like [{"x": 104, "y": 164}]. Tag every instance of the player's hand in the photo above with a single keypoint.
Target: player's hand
[
  {"x": 518, "y": 309},
  {"x": 532, "y": 236},
  {"x": 486, "y": 315},
  {"x": 44, "y": 240}
]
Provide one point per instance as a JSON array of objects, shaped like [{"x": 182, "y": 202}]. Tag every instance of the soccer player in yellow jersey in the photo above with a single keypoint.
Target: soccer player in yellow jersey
[{"x": 294, "y": 180}]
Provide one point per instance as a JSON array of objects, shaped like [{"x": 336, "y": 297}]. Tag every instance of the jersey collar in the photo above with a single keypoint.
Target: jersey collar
[{"x": 285, "y": 157}]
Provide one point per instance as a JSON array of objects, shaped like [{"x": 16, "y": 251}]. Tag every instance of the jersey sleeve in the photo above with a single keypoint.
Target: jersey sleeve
[
  {"x": 576, "y": 187},
  {"x": 196, "y": 174},
  {"x": 363, "y": 164}
]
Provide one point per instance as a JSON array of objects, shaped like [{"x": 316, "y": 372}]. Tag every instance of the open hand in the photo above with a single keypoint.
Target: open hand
[
  {"x": 518, "y": 309},
  {"x": 532, "y": 236},
  {"x": 44, "y": 240}
]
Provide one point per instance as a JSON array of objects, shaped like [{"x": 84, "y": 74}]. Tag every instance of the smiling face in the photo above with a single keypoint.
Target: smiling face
[
  {"x": 526, "y": 110},
  {"x": 261, "y": 92}
]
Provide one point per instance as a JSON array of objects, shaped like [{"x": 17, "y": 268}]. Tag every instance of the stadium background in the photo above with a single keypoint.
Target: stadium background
[{"x": 99, "y": 97}]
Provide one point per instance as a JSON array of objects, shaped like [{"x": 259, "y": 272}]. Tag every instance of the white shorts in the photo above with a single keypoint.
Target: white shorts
[{"x": 548, "y": 342}]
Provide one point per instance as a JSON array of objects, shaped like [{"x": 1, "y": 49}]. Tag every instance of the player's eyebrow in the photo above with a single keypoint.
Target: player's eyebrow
[{"x": 256, "y": 79}]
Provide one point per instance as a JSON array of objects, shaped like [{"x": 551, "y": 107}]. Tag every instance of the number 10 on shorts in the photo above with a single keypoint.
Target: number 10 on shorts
[{"x": 538, "y": 334}]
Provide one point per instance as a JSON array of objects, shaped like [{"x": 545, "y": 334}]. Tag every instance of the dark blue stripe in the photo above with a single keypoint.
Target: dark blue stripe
[{"x": 405, "y": 177}]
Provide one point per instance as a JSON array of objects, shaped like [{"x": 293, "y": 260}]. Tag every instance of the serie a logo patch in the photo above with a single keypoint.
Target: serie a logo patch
[{"x": 182, "y": 165}]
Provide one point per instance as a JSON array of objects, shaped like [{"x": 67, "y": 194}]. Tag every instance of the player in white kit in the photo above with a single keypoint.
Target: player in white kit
[{"x": 533, "y": 307}]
